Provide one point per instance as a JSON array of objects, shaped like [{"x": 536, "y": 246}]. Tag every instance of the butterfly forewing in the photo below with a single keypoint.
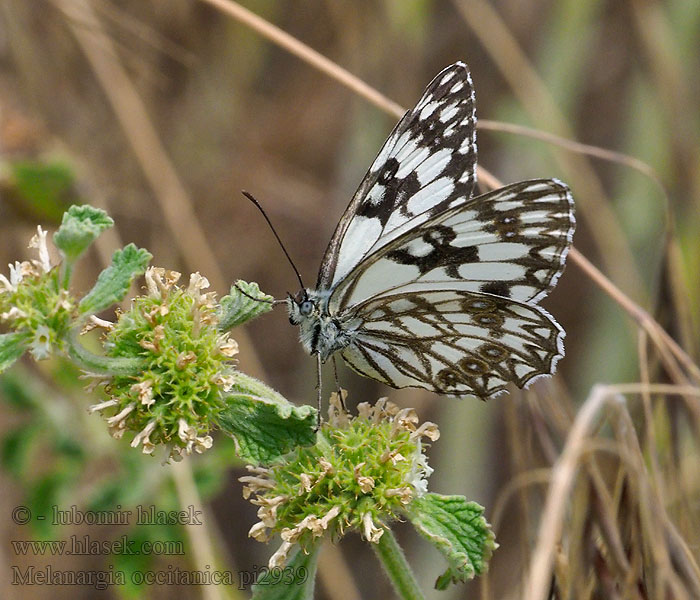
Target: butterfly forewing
[
  {"x": 454, "y": 342},
  {"x": 427, "y": 164},
  {"x": 511, "y": 242}
]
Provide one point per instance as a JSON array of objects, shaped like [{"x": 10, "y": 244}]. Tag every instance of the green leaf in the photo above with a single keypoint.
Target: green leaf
[
  {"x": 17, "y": 389},
  {"x": 134, "y": 564},
  {"x": 237, "y": 307},
  {"x": 41, "y": 191},
  {"x": 12, "y": 346},
  {"x": 16, "y": 446},
  {"x": 113, "y": 283},
  {"x": 66, "y": 446},
  {"x": 131, "y": 484},
  {"x": 42, "y": 495},
  {"x": 263, "y": 424},
  {"x": 80, "y": 227},
  {"x": 295, "y": 581},
  {"x": 458, "y": 529}
]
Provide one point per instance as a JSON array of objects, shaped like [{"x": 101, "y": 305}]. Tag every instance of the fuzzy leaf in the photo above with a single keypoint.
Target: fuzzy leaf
[
  {"x": 16, "y": 389},
  {"x": 263, "y": 424},
  {"x": 12, "y": 346},
  {"x": 237, "y": 308},
  {"x": 113, "y": 283},
  {"x": 295, "y": 581},
  {"x": 80, "y": 227},
  {"x": 41, "y": 190},
  {"x": 458, "y": 529},
  {"x": 16, "y": 446}
]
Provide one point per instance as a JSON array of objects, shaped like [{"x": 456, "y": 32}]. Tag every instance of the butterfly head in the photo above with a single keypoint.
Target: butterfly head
[{"x": 301, "y": 306}]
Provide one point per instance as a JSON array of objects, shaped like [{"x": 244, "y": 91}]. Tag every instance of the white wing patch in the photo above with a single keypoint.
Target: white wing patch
[{"x": 437, "y": 191}]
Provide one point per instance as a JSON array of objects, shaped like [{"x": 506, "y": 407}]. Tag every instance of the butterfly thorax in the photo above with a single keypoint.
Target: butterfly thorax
[{"x": 320, "y": 331}]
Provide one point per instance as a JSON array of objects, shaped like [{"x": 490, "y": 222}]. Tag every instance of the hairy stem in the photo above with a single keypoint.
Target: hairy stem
[
  {"x": 396, "y": 567},
  {"x": 95, "y": 363}
]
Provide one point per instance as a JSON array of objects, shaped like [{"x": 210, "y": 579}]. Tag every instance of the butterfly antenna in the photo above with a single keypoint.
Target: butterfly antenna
[
  {"x": 289, "y": 258},
  {"x": 272, "y": 302}
]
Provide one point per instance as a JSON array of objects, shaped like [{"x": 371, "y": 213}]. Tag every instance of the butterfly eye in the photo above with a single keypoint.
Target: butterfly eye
[{"x": 306, "y": 307}]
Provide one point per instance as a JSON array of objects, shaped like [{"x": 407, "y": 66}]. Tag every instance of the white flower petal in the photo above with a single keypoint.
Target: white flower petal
[
  {"x": 39, "y": 242},
  {"x": 279, "y": 558}
]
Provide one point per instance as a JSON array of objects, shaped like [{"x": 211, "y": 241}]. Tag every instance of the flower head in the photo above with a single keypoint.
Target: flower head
[
  {"x": 362, "y": 473},
  {"x": 33, "y": 302},
  {"x": 176, "y": 399}
]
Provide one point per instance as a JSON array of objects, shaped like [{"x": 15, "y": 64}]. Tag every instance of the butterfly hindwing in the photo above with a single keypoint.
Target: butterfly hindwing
[
  {"x": 454, "y": 342},
  {"x": 511, "y": 242},
  {"x": 427, "y": 164}
]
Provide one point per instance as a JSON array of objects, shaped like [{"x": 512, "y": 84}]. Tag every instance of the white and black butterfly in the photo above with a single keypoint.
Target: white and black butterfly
[{"x": 425, "y": 285}]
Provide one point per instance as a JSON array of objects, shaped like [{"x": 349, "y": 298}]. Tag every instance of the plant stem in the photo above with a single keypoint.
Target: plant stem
[
  {"x": 396, "y": 567},
  {"x": 95, "y": 363},
  {"x": 66, "y": 273}
]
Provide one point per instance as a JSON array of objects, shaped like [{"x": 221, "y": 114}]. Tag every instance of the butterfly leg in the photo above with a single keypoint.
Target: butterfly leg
[
  {"x": 318, "y": 390},
  {"x": 337, "y": 384}
]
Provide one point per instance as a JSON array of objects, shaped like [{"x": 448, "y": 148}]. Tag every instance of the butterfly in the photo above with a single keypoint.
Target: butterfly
[{"x": 426, "y": 285}]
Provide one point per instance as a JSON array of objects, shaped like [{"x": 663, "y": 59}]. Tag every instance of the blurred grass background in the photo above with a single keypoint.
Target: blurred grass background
[{"x": 224, "y": 109}]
